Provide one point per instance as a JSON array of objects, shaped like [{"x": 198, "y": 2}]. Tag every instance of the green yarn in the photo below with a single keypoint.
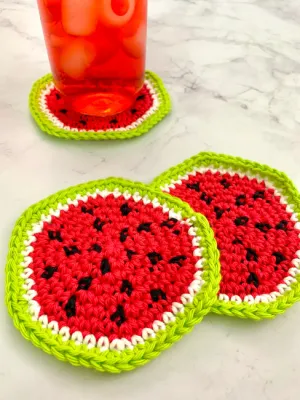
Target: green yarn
[
  {"x": 47, "y": 126},
  {"x": 282, "y": 183},
  {"x": 110, "y": 360}
]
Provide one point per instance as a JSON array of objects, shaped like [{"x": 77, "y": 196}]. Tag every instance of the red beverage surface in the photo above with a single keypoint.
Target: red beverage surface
[{"x": 97, "y": 51}]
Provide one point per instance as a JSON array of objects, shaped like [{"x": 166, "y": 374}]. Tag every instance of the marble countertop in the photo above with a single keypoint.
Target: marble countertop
[{"x": 233, "y": 70}]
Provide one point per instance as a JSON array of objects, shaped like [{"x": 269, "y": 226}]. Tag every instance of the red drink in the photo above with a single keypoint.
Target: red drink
[{"x": 97, "y": 51}]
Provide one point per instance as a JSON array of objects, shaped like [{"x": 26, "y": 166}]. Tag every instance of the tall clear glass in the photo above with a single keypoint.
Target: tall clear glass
[{"x": 97, "y": 51}]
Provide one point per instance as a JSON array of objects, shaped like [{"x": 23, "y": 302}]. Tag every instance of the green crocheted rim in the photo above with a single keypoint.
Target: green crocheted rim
[
  {"x": 283, "y": 184},
  {"x": 110, "y": 360},
  {"x": 47, "y": 126}
]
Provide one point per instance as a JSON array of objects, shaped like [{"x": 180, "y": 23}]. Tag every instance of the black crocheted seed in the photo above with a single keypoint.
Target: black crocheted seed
[
  {"x": 130, "y": 253},
  {"x": 119, "y": 316},
  {"x": 49, "y": 272},
  {"x": 71, "y": 250},
  {"x": 279, "y": 257},
  {"x": 154, "y": 257},
  {"x": 206, "y": 198},
  {"x": 55, "y": 235},
  {"x": 126, "y": 287},
  {"x": 105, "y": 266},
  {"x": 86, "y": 210},
  {"x": 237, "y": 241},
  {"x": 125, "y": 209},
  {"x": 282, "y": 225},
  {"x": 170, "y": 223},
  {"x": 134, "y": 111},
  {"x": 194, "y": 186},
  {"x": 98, "y": 224},
  {"x": 253, "y": 279},
  {"x": 251, "y": 255},
  {"x": 63, "y": 111},
  {"x": 219, "y": 212},
  {"x": 96, "y": 248},
  {"x": 264, "y": 227},
  {"x": 82, "y": 122},
  {"x": 144, "y": 227},
  {"x": 84, "y": 283},
  {"x": 260, "y": 194},
  {"x": 176, "y": 232},
  {"x": 225, "y": 183},
  {"x": 70, "y": 307},
  {"x": 240, "y": 200},
  {"x": 158, "y": 294},
  {"x": 151, "y": 269},
  {"x": 177, "y": 260},
  {"x": 241, "y": 221},
  {"x": 140, "y": 97},
  {"x": 57, "y": 95},
  {"x": 123, "y": 235},
  {"x": 114, "y": 121}
]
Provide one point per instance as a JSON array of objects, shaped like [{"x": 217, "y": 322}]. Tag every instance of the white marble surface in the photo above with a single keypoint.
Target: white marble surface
[{"x": 233, "y": 70}]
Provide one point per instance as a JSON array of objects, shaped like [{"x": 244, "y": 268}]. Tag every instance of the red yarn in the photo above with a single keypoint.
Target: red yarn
[
  {"x": 111, "y": 267},
  {"x": 256, "y": 238},
  {"x": 58, "y": 107}
]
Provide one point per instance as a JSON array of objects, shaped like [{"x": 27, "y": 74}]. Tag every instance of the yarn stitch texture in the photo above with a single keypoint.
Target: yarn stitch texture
[
  {"x": 254, "y": 212},
  {"x": 53, "y": 117},
  {"x": 110, "y": 273}
]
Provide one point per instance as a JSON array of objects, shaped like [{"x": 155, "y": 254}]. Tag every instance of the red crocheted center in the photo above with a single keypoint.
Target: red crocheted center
[
  {"x": 58, "y": 107},
  {"x": 111, "y": 267},
  {"x": 255, "y": 236}
]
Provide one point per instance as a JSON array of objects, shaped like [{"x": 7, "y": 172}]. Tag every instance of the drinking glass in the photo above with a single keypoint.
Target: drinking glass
[{"x": 97, "y": 51}]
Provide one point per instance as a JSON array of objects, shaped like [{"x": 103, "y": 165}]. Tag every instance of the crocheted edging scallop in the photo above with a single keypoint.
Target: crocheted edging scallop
[
  {"x": 110, "y": 273},
  {"x": 254, "y": 212},
  {"x": 49, "y": 112}
]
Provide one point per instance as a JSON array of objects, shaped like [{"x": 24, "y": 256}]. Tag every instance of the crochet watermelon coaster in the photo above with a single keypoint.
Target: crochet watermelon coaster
[
  {"x": 110, "y": 273},
  {"x": 53, "y": 116},
  {"x": 254, "y": 212}
]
